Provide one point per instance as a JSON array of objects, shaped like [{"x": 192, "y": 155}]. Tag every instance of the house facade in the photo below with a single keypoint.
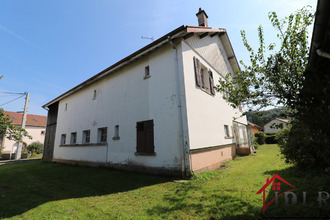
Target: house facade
[
  {"x": 35, "y": 126},
  {"x": 254, "y": 128},
  {"x": 154, "y": 111},
  {"x": 275, "y": 125}
]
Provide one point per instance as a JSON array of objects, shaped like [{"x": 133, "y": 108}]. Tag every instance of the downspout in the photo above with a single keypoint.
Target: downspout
[{"x": 183, "y": 159}]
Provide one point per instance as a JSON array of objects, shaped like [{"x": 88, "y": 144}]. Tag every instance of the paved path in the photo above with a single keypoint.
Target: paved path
[{"x": 17, "y": 161}]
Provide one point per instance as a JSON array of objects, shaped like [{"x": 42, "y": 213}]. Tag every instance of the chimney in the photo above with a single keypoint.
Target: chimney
[{"x": 202, "y": 18}]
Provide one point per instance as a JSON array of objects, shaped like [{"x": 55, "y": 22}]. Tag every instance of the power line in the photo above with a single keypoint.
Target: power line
[{"x": 12, "y": 100}]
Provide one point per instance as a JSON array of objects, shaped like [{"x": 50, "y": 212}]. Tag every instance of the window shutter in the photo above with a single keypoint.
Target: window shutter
[
  {"x": 140, "y": 137},
  {"x": 198, "y": 75},
  {"x": 145, "y": 137},
  {"x": 211, "y": 82},
  {"x": 149, "y": 136}
]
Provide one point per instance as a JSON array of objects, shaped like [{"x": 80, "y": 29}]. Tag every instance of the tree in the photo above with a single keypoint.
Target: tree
[
  {"x": 275, "y": 79},
  {"x": 11, "y": 131}
]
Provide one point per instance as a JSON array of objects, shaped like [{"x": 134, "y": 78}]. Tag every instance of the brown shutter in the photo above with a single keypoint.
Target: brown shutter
[
  {"x": 198, "y": 75},
  {"x": 211, "y": 82},
  {"x": 140, "y": 137},
  {"x": 145, "y": 137},
  {"x": 149, "y": 136}
]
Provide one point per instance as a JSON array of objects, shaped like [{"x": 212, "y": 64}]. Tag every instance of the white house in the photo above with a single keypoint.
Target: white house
[
  {"x": 275, "y": 125},
  {"x": 35, "y": 126},
  {"x": 154, "y": 111}
]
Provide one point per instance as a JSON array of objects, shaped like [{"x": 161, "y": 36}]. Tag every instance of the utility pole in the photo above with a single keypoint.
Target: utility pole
[{"x": 20, "y": 143}]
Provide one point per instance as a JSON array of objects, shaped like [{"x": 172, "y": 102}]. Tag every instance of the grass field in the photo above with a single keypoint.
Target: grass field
[{"x": 36, "y": 190}]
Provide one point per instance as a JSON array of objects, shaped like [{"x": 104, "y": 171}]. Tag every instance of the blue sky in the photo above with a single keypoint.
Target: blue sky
[{"x": 48, "y": 47}]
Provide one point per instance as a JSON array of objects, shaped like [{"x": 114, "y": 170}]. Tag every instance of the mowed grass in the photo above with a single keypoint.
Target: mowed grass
[{"x": 37, "y": 190}]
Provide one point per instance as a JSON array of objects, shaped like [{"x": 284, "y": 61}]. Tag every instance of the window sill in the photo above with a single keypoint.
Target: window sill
[
  {"x": 229, "y": 137},
  {"x": 116, "y": 138},
  {"x": 85, "y": 145},
  {"x": 146, "y": 77},
  {"x": 144, "y": 154}
]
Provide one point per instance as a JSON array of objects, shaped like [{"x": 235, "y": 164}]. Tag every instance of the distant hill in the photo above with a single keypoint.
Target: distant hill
[{"x": 265, "y": 116}]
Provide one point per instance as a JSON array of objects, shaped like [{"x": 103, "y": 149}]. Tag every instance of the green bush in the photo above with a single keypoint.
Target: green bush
[
  {"x": 260, "y": 137},
  {"x": 36, "y": 147},
  {"x": 255, "y": 142},
  {"x": 271, "y": 139},
  {"x": 297, "y": 146}
]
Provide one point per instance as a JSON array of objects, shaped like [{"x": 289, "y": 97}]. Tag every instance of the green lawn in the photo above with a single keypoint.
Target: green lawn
[{"x": 36, "y": 190}]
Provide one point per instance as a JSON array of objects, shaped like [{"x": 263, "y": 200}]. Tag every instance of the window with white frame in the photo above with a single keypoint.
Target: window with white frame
[
  {"x": 86, "y": 137},
  {"x": 146, "y": 72},
  {"x": 102, "y": 135},
  {"x": 226, "y": 131},
  {"x": 116, "y": 135},
  {"x": 73, "y": 139},
  {"x": 204, "y": 77},
  {"x": 63, "y": 139}
]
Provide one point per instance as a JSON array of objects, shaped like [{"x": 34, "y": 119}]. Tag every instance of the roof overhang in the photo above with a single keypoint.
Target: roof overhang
[
  {"x": 181, "y": 32},
  {"x": 320, "y": 45}
]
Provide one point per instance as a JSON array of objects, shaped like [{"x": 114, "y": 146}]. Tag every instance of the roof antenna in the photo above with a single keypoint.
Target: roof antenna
[{"x": 149, "y": 38}]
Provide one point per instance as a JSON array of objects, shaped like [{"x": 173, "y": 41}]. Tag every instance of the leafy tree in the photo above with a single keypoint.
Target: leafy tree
[
  {"x": 11, "y": 131},
  {"x": 274, "y": 77}
]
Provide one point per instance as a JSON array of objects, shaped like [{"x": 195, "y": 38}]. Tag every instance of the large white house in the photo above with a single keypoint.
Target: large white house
[{"x": 154, "y": 111}]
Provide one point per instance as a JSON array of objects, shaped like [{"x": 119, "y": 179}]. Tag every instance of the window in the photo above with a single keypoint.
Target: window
[
  {"x": 86, "y": 137},
  {"x": 73, "y": 139},
  {"x": 66, "y": 107},
  {"x": 145, "y": 137},
  {"x": 102, "y": 135},
  {"x": 42, "y": 132},
  {"x": 63, "y": 137},
  {"x": 203, "y": 77},
  {"x": 94, "y": 94},
  {"x": 146, "y": 72},
  {"x": 116, "y": 136},
  {"x": 226, "y": 131}
]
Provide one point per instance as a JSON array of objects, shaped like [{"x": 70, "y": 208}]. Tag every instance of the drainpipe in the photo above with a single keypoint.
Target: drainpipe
[{"x": 183, "y": 159}]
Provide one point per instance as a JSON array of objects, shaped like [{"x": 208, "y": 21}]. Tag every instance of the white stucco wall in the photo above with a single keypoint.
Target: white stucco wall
[
  {"x": 268, "y": 127},
  {"x": 207, "y": 114},
  {"x": 35, "y": 132},
  {"x": 123, "y": 99}
]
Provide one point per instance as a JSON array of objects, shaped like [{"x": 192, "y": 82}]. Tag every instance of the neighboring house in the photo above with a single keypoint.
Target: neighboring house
[
  {"x": 275, "y": 125},
  {"x": 254, "y": 128},
  {"x": 154, "y": 111},
  {"x": 35, "y": 126}
]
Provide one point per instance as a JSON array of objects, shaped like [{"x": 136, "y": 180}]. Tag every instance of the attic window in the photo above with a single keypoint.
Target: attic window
[
  {"x": 204, "y": 77},
  {"x": 147, "y": 72},
  {"x": 34, "y": 119},
  {"x": 13, "y": 117},
  {"x": 94, "y": 94},
  {"x": 66, "y": 107}
]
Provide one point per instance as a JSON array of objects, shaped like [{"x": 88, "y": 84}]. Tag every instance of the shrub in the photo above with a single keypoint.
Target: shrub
[
  {"x": 255, "y": 142},
  {"x": 297, "y": 146},
  {"x": 35, "y": 147},
  {"x": 271, "y": 139},
  {"x": 260, "y": 137}
]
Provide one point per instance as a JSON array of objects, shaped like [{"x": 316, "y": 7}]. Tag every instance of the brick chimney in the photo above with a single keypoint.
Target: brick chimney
[{"x": 202, "y": 18}]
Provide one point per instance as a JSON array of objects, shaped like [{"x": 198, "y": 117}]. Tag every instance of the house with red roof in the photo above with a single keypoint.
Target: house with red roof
[{"x": 35, "y": 126}]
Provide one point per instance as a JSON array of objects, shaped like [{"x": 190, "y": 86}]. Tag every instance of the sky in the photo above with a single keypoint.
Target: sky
[{"x": 49, "y": 47}]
